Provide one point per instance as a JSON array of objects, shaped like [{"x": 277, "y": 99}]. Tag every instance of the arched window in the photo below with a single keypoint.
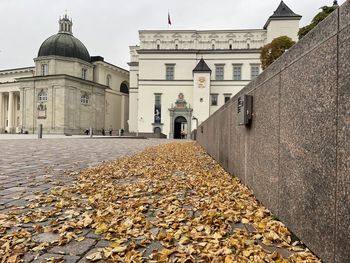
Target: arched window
[
  {"x": 124, "y": 88},
  {"x": 84, "y": 99},
  {"x": 109, "y": 80},
  {"x": 42, "y": 96}
]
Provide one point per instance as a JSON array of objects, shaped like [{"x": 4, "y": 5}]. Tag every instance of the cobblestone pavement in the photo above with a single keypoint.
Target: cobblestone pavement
[{"x": 31, "y": 166}]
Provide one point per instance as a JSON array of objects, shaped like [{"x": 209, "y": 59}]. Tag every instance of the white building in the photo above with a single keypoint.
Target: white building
[
  {"x": 67, "y": 91},
  {"x": 176, "y": 75}
]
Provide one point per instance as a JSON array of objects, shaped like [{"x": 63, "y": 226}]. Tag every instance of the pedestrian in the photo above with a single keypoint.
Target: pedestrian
[
  {"x": 110, "y": 132},
  {"x": 103, "y": 132}
]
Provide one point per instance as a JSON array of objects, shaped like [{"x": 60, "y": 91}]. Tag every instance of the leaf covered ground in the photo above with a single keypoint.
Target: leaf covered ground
[{"x": 171, "y": 203}]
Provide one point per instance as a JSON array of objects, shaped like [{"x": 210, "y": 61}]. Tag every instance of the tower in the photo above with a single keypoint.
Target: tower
[
  {"x": 201, "y": 91},
  {"x": 283, "y": 22},
  {"x": 65, "y": 25}
]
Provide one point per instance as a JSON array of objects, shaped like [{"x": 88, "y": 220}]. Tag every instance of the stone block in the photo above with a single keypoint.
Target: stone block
[
  {"x": 342, "y": 242},
  {"x": 344, "y": 15},
  {"x": 308, "y": 122},
  {"x": 263, "y": 148},
  {"x": 322, "y": 32},
  {"x": 74, "y": 248}
]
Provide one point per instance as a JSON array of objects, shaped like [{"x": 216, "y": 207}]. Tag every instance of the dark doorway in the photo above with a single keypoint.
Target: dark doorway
[{"x": 179, "y": 131}]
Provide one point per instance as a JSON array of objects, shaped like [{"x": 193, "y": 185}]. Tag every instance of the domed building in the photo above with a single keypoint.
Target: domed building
[{"x": 67, "y": 91}]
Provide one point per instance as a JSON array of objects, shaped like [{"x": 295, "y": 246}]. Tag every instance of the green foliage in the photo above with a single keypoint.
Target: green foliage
[
  {"x": 326, "y": 10},
  {"x": 272, "y": 51}
]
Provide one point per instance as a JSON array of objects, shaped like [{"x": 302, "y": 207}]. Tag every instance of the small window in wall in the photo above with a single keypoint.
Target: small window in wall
[
  {"x": 84, "y": 99},
  {"x": 214, "y": 99},
  {"x": 227, "y": 97},
  {"x": 254, "y": 70},
  {"x": 44, "y": 69},
  {"x": 42, "y": 96},
  {"x": 219, "y": 72},
  {"x": 237, "y": 72},
  {"x": 83, "y": 73},
  {"x": 109, "y": 80},
  {"x": 169, "y": 68}
]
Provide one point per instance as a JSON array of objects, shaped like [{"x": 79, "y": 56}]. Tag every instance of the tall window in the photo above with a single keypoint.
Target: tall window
[
  {"x": 42, "y": 96},
  {"x": 83, "y": 73},
  {"x": 84, "y": 99},
  {"x": 214, "y": 99},
  {"x": 157, "y": 108},
  {"x": 219, "y": 72},
  {"x": 169, "y": 68},
  {"x": 237, "y": 72},
  {"x": 44, "y": 69},
  {"x": 227, "y": 97},
  {"x": 254, "y": 70},
  {"x": 109, "y": 80}
]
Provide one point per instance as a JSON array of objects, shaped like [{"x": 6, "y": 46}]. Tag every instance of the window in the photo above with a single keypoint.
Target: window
[
  {"x": 237, "y": 72},
  {"x": 169, "y": 71},
  {"x": 157, "y": 108},
  {"x": 44, "y": 69},
  {"x": 212, "y": 46},
  {"x": 219, "y": 72},
  {"x": 254, "y": 70},
  {"x": 83, "y": 73},
  {"x": 230, "y": 47},
  {"x": 84, "y": 99},
  {"x": 42, "y": 96},
  {"x": 214, "y": 99},
  {"x": 227, "y": 97},
  {"x": 109, "y": 80}
]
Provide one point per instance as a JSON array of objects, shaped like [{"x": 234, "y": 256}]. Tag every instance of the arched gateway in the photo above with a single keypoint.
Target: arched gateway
[{"x": 180, "y": 119}]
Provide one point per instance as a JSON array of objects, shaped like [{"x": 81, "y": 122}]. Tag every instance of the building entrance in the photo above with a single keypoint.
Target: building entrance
[{"x": 180, "y": 128}]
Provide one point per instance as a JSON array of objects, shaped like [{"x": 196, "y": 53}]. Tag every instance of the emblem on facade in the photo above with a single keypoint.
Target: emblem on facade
[
  {"x": 201, "y": 82},
  {"x": 180, "y": 102}
]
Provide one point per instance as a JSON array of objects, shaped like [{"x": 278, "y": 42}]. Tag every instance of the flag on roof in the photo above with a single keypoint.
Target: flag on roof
[{"x": 169, "y": 20}]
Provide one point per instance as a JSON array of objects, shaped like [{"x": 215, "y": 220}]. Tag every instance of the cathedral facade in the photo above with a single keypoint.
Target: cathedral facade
[
  {"x": 178, "y": 78},
  {"x": 67, "y": 91}
]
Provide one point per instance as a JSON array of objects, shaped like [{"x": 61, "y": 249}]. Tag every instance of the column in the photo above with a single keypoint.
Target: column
[
  {"x": 122, "y": 119},
  {"x": 2, "y": 119},
  {"x": 10, "y": 111}
]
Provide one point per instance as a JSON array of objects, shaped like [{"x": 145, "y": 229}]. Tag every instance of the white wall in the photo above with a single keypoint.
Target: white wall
[{"x": 277, "y": 28}]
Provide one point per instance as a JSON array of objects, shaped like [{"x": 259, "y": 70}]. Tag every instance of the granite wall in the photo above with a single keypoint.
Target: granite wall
[{"x": 296, "y": 154}]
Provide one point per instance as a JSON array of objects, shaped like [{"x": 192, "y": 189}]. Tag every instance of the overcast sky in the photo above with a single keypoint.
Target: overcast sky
[{"x": 109, "y": 27}]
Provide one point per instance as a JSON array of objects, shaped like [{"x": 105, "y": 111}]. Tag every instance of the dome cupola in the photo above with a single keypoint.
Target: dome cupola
[{"x": 64, "y": 44}]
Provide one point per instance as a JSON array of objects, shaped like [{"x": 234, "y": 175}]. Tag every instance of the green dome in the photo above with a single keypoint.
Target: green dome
[{"x": 64, "y": 45}]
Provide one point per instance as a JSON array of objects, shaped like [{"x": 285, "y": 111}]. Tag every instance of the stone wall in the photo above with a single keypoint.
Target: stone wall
[{"x": 296, "y": 154}]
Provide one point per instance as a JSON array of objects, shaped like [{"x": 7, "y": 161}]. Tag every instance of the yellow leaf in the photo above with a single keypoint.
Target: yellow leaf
[
  {"x": 94, "y": 256},
  {"x": 247, "y": 253},
  {"x": 245, "y": 221},
  {"x": 101, "y": 229},
  {"x": 12, "y": 259},
  {"x": 228, "y": 259},
  {"x": 79, "y": 239},
  {"x": 164, "y": 254},
  {"x": 119, "y": 249}
]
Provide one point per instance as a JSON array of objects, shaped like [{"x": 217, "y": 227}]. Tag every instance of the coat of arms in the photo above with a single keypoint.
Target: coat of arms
[{"x": 201, "y": 82}]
